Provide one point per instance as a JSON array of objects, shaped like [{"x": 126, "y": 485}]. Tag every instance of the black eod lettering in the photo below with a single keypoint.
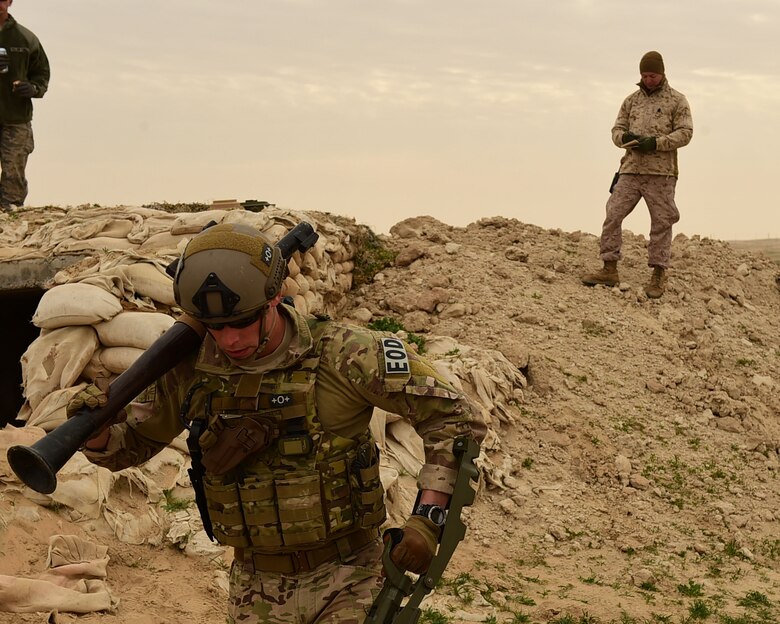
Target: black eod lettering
[{"x": 396, "y": 359}]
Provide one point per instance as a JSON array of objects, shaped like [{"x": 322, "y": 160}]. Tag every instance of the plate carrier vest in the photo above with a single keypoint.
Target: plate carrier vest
[{"x": 307, "y": 487}]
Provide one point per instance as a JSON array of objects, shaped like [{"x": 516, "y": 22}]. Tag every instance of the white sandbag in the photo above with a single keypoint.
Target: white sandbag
[
  {"x": 162, "y": 241},
  {"x": 94, "y": 368},
  {"x": 133, "y": 329},
  {"x": 51, "y": 412},
  {"x": 150, "y": 281},
  {"x": 97, "y": 244},
  {"x": 55, "y": 360},
  {"x": 119, "y": 359},
  {"x": 75, "y": 304},
  {"x": 193, "y": 222}
]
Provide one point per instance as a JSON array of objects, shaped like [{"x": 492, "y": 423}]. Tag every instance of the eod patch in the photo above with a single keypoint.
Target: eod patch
[{"x": 396, "y": 358}]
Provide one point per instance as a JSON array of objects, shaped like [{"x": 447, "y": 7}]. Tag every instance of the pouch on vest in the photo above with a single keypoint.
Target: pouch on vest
[
  {"x": 239, "y": 438},
  {"x": 227, "y": 518},
  {"x": 300, "y": 508}
]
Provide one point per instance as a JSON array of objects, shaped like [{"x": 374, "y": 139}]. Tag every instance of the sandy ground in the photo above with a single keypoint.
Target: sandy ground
[{"x": 635, "y": 479}]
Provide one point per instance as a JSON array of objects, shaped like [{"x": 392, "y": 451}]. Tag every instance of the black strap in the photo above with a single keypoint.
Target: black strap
[{"x": 196, "y": 472}]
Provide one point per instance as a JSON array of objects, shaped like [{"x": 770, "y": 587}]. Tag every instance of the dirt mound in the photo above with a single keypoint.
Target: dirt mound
[{"x": 633, "y": 480}]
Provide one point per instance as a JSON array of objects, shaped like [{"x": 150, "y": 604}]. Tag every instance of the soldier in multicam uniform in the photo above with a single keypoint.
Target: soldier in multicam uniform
[
  {"x": 278, "y": 405},
  {"x": 653, "y": 123},
  {"x": 24, "y": 74}
]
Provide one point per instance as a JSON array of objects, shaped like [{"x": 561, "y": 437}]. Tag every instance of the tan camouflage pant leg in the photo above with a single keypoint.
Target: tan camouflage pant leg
[
  {"x": 334, "y": 593},
  {"x": 658, "y": 193},
  {"x": 16, "y": 144}
]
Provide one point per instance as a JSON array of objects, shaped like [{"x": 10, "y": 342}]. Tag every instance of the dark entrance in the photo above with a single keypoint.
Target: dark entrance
[{"x": 16, "y": 310}]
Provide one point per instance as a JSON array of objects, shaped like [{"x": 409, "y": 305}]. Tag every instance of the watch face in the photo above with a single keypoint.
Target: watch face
[
  {"x": 434, "y": 513},
  {"x": 437, "y": 515}
]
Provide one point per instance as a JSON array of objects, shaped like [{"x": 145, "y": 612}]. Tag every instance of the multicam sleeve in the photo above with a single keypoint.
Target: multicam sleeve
[
  {"x": 153, "y": 422},
  {"x": 389, "y": 374}
]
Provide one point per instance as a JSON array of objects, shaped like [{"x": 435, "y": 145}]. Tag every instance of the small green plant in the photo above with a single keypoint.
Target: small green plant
[
  {"x": 753, "y": 600},
  {"x": 453, "y": 352},
  {"x": 524, "y": 600},
  {"x": 732, "y": 549},
  {"x": 699, "y": 610},
  {"x": 771, "y": 548},
  {"x": 432, "y": 616},
  {"x": 691, "y": 589},
  {"x": 464, "y": 586},
  {"x": 649, "y": 586},
  {"x": 388, "y": 324},
  {"x": 371, "y": 256},
  {"x": 746, "y": 362},
  {"x": 174, "y": 504},
  {"x": 527, "y": 463}
]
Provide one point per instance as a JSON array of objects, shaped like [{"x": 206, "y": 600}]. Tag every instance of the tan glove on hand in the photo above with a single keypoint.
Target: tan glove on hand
[
  {"x": 95, "y": 395},
  {"x": 417, "y": 547}
]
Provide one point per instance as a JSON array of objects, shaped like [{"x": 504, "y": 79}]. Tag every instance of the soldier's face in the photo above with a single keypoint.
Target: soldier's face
[
  {"x": 651, "y": 80},
  {"x": 4, "y": 4},
  {"x": 238, "y": 343}
]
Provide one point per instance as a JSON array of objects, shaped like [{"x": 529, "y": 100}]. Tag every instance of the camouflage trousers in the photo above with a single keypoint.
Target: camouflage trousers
[
  {"x": 658, "y": 193},
  {"x": 16, "y": 144},
  {"x": 332, "y": 593}
]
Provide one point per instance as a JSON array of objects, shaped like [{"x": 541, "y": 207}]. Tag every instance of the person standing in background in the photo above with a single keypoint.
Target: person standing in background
[
  {"x": 653, "y": 123},
  {"x": 24, "y": 74}
]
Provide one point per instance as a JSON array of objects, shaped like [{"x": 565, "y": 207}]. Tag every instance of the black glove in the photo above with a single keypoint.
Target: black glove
[
  {"x": 24, "y": 89},
  {"x": 646, "y": 145},
  {"x": 628, "y": 137}
]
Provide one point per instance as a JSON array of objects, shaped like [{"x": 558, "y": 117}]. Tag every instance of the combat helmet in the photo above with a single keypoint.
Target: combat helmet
[{"x": 228, "y": 273}]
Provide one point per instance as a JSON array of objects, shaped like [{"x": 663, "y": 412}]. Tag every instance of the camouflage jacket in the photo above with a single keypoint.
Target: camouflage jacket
[
  {"x": 662, "y": 113},
  {"x": 29, "y": 62},
  {"x": 352, "y": 379}
]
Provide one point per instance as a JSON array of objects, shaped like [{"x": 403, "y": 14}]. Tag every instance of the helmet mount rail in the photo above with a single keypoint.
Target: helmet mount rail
[{"x": 301, "y": 238}]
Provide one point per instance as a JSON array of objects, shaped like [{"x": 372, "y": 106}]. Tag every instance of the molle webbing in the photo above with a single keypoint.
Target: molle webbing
[
  {"x": 310, "y": 489},
  {"x": 287, "y": 405}
]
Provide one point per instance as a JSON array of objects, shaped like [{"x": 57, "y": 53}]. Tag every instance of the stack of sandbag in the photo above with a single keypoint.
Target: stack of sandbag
[{"x": 103, "y": 312}]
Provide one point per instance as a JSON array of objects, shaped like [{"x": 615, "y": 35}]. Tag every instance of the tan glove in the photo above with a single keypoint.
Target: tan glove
[
  {"x": 417, "y": 547},
  {"x": 95, "y": 395}
]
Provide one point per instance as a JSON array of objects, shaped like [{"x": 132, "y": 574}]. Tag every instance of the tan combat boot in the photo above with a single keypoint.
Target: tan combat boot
[
  {"x": 655, "y": 288},
  {"x": 608, "y": 275}
]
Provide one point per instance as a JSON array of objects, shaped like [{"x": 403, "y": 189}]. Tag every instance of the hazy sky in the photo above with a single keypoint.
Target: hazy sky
[{"x": 385, "y": 109}]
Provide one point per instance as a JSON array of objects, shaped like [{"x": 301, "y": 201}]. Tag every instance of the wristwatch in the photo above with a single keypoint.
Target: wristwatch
[{"x": 434, "y": 513}]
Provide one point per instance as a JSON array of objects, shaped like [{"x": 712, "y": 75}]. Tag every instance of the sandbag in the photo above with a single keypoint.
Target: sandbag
[
  {"x": 133, "y": 329},
  {"x": 119, "y": 359},
  {"x": 55, "y": 360},
  {"x": 149, "y": 281},
  {"x": 162, "y": 241},
  {"x": 52, "y": 411},
  {"x": 75, "y": 304},
  {"x": 95, "y": 368}
]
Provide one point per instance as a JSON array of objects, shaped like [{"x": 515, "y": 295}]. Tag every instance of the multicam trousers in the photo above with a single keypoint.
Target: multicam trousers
[
  {"x": 332, "y": 593},
  {"x": 16, "y": 144},
  {"x": 658, "y": 193}
]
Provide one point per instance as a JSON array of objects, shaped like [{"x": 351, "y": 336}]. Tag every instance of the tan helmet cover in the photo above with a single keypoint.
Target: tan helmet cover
[{"x": 228, "y": 272}]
